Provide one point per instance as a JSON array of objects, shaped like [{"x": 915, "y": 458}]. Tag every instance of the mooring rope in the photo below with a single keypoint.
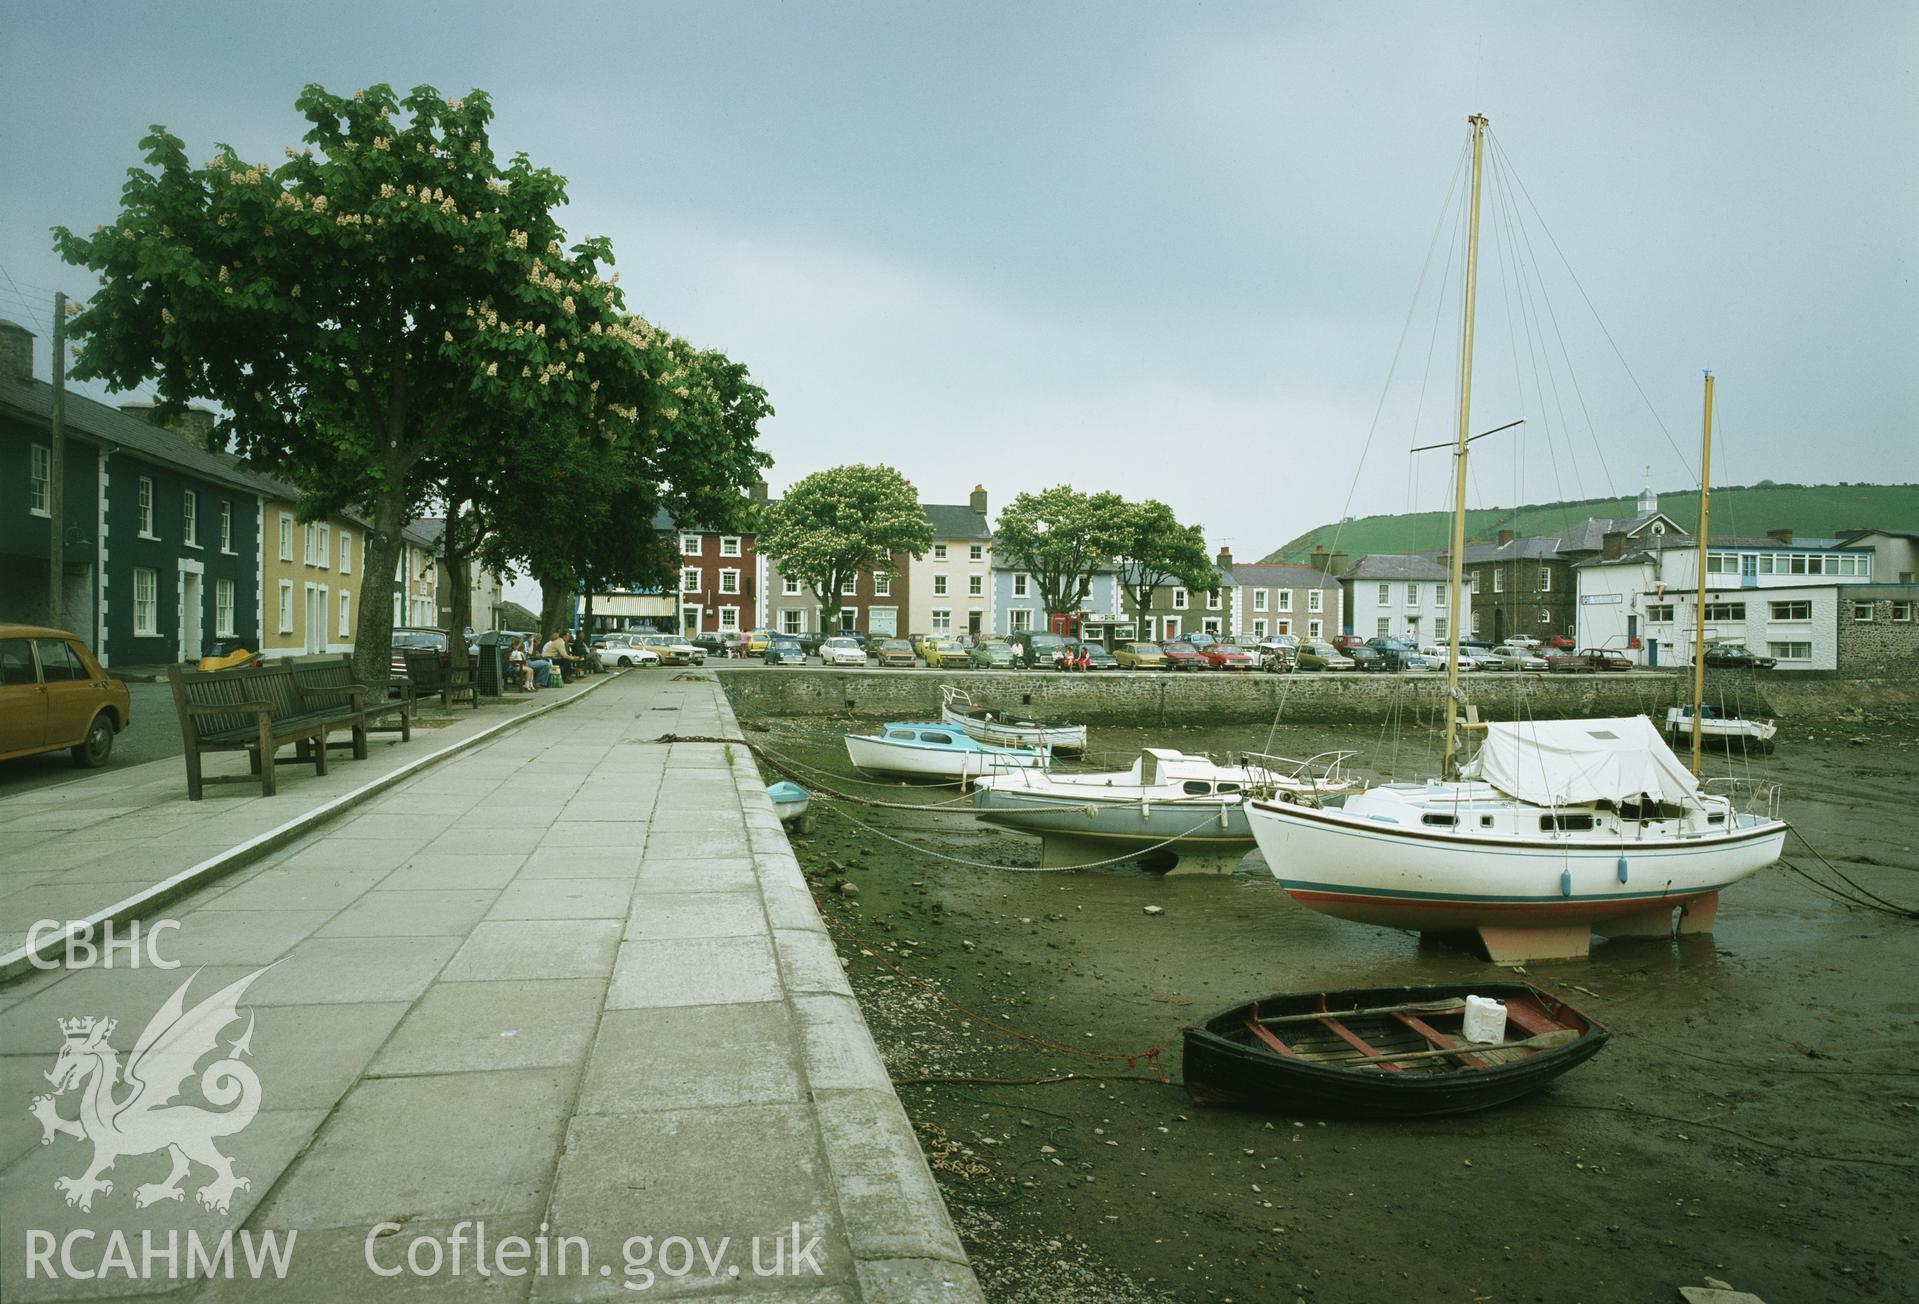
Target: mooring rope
[{"x": 1133, "y": 854}]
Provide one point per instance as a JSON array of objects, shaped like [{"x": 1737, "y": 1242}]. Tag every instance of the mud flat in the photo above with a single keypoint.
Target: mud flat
[{"x": 1755, "y": 1119}]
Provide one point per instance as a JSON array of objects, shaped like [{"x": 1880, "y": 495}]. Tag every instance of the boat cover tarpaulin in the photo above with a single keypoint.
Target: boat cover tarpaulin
[{"x": 1572, "y": 762}]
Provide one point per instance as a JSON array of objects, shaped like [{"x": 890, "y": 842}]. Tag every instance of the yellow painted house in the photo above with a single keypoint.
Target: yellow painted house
[
  {"x": 311, "y": 573},
  {"x": 416, "y": 579}
]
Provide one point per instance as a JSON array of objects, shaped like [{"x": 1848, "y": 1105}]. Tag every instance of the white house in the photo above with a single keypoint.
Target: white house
[
  {"x": 1400, "y": 596},
  {"x": 950, "y": 589}
]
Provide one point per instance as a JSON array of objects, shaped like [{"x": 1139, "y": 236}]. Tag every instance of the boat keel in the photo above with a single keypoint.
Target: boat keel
[
  {"x": 1516, "y": 945},
  {"x": 1696, "y": 915},
  {"x": 1062, "y": 851}
]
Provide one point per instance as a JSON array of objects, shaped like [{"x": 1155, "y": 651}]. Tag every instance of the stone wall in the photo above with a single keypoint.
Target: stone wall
[
  {"x": 1882, "y": 648},
  {"x": 1129, "y": 698}
]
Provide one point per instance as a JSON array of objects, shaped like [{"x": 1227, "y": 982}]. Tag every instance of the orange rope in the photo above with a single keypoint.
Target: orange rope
[{"x": 1150, "y": 1057}]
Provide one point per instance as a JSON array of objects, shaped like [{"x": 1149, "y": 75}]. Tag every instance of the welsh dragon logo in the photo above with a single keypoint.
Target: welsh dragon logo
[{"x": 133, "y": 1112}]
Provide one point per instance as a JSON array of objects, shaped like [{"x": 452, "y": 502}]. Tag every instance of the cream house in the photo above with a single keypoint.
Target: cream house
[{"x": 311, "y": 573}]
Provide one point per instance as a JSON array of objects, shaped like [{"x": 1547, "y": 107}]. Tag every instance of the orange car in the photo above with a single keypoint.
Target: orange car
[{"x": 53, "y": 694}]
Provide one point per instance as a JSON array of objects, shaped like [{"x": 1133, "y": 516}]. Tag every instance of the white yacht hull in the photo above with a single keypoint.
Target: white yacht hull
[
  {"x": 878, "y": 756},
  {"x": 1442, "y": 882}
]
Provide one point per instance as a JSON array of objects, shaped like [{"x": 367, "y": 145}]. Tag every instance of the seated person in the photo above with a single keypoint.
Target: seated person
[
  {"x": 517, "y": 664},
  {"x": 556, "y": 654}
]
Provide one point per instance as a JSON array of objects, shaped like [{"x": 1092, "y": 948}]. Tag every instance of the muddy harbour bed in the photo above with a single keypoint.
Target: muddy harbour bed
[{"x": 1755, "y": 1118}]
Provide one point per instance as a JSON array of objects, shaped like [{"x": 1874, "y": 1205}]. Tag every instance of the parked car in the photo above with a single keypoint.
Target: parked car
[
  {"x": 1513, "y": 657},
  {"x": 1560, "y": 643},
  {"x": 1737, "y": 656},
  {"x": 841, "y": 651},
  {"x": 947, "y": 653},
  {"x": 1139, "y": 656},
  {"x": 1346, "y": 642},
  {"x": 1435, "y": 655},
  {"x": 1394, "y": 654},
  {"x": 1228, "y": 656},
  {"x": 1097, "y": 657},
  {"x": 1586, "y": 660},
  {"x": 54, "y": 695},
  {"x": 1279, "y": 653},
  {"x": 1200, "y": 638},
  {"x": 1036, "y": 648},
  {"x": 1181, "y": 655},
  {"x": 674, "y": 650},
  {"x": 1323, "y": 656},
  {"x": 1520, "y": 640},
  {"x": 896, "y": 652},
  {"x": 229, "y": 654},
  {"x": 991, "y": 654},
  {"x": 628, "y": 650},
  {"x": 416, "y": 636},
  {"x": 757, "y": 639},
  {"x": 1365, "y": 658},
  {"x": 784, "y": 650}
]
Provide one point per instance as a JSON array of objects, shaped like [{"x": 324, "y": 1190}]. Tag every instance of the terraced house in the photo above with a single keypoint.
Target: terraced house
[
  {"x": 160, "y": 538},
  {"x": 312, "y": 573},
  {"x": 950, "y": 588},
  {"x": 1272, "y": 600}
]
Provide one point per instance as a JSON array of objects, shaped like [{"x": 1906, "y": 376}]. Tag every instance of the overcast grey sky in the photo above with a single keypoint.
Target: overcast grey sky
[{"x": 1163, "y": 249}]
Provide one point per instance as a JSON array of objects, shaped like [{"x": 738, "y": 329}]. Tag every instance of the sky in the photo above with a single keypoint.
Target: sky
[{"x": 1198, "y": 252}]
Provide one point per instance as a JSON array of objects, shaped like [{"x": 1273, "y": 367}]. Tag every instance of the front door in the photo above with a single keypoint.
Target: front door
[
  {"x": 190, "y": 617},
  {"x": 1171, "y": 628},
  {"x": 690, "y": 620},
  {"x": 975, "y": 622}
]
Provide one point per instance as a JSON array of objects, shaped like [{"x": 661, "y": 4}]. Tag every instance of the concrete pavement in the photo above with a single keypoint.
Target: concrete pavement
[{"x": 567, "y": 986}]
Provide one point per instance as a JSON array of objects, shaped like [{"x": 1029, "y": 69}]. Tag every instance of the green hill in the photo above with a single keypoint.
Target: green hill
[{"x": 1807, "y": 509}]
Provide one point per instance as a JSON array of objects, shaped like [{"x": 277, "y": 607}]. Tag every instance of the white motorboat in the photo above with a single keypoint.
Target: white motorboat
[
  {"x": 1008, "y": 728},
  {"x": 931, "y": 750},
  {"x": 1727, "y": 728},
  {"x": 1555, "y": 830},
  {"x": 1170, "y": 807}
]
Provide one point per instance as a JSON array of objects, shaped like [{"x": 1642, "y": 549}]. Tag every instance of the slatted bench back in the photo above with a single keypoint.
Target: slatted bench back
[
  {"x": 219, "y": 688},
  {"x": 423, "y": 668}
]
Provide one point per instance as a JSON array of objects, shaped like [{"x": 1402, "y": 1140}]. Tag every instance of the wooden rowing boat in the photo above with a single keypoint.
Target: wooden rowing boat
[{"x": 1384, "y": 1052}]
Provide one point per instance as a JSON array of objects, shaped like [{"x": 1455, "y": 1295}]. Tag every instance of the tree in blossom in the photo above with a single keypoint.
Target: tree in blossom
[
  {"x": 392, "y": 315},
  {"x": 1062, "y": 538},
  {"x": 841, "y": 523}
]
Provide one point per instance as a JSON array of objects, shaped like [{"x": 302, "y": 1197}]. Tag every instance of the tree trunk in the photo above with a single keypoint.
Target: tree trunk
[
  {"x": 380, "y": 559},
  {"x": 457, "y": 558},
  {"x": 556, "y": 599}
]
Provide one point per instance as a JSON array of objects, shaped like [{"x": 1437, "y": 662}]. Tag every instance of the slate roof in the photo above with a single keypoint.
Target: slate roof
[
  {"x": 959, "y": 521},
  {"x": 91, "y": 419},
  {"x": 1258, "y": 576},
  {"x": 1536, "y": 548},
  {"x": 1395, "y": 566}
]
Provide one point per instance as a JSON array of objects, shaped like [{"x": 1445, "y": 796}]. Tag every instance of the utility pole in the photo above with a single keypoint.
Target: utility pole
[{"x": 57, "y": 470}]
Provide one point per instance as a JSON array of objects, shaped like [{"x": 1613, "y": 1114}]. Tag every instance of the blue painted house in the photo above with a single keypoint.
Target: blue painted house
[
  {"x": 161, "y": 538},
  {"x": 1017, "y": 606}
]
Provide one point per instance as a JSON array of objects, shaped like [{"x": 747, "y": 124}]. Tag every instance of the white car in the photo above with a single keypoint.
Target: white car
[
  {"x": 1435, "y": 654},
  {"x": 627, "y": 653},
  {"x": 842, "y": 652},
  {"x": 1511, "y": 657}
]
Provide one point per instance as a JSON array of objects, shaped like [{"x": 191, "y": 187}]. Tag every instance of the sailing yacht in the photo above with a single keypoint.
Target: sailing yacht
[{"x": 1555, "y": 830}]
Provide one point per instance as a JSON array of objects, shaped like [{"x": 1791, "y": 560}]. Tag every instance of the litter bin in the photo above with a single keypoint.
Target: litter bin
[{"x": 489, "y": 663}]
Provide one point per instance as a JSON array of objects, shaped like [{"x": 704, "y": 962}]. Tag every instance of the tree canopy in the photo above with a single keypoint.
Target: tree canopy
[
  {"x": 1154, "y": 549},
  {"x": 392, "y": 311},
  {"x": 841, "y": 522},
  {"x": 1062, "y": 538}
]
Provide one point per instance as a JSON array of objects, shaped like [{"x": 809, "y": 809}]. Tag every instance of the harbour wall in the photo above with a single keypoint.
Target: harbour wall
[{"x": 1213, "y": 698}]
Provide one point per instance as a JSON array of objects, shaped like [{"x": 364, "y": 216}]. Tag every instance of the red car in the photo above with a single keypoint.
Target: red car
[
  {"x": 1347, "y": 642},
  {"x": 1228, "y": 656},
  {"x": 1561, "y": 642},
  {"x": 1587, "y": 660},
  {"x": 1181, "y": 655}
]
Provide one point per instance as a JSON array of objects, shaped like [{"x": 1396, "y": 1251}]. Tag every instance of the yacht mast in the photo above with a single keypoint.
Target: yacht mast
[
  {"x": 1699, "y": 621},
  {"x": 1450, "y": 764}
]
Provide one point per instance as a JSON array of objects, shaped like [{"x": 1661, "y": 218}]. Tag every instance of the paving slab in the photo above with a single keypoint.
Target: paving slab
[{"x": 564, "y": 978}]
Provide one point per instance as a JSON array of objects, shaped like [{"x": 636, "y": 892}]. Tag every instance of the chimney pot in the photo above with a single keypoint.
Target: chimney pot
[
  {"x": 1225, "y": 558},
  {"x": 1505, "y": 537}
]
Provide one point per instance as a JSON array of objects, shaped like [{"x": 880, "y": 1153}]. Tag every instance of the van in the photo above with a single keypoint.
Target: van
[{"x": 1036, "y": 648}]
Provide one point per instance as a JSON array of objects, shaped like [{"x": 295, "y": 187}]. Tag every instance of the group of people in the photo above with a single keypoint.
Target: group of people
[{"x": 541, "y": 664}]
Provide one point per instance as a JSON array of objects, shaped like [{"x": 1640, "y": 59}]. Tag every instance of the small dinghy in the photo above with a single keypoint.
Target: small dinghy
[
  {"x": 1385, "y": 1052},
  {"x": 924, "y": 750},
  {"x": 1008, "y": 728},
  {"x": 1720, "y": 726},
  {"x": 790, "y": 801}
]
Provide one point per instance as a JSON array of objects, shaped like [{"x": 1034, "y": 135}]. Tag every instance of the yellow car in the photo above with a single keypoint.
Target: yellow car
[
  {"x": 946, "y": 653},
  {"x": 756, "y": 641},
  {"x": 54, "y": 695},
  {"x": 1140, "y": 656},
  {"x": 228, "y": 654}
]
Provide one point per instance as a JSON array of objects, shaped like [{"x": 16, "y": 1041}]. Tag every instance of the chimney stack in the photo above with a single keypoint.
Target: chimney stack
[
  {"x": 758, "y": 491},
  {"x": 195, "y": 425},
  {"x": 1338, "y": 563},
  {"x": 1505, "y": 537},
  {"x": 1613, "y": 546},
  {"x": 1225, "y": 559},
  {"x": 1782, "y": 536},
  {"x": 16, "y": 352},
  {"x": 979, "y": 499}
]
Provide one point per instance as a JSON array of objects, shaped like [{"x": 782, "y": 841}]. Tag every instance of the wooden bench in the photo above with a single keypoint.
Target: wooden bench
[
  {"x": 330, "y": 679},
  {"x": 257, "y": 711},
  {"x": 452, "y": 683}
]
